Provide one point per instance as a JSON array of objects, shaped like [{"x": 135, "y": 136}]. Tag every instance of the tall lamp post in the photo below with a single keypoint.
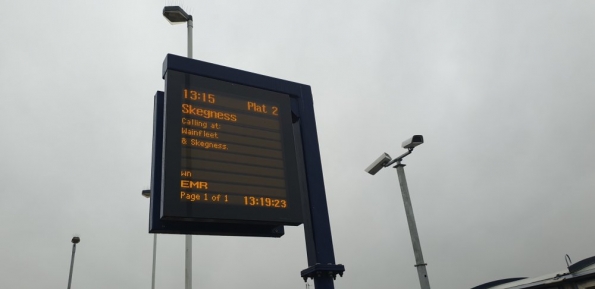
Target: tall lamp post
[
  {"x": 147, "y": 194},
  {"x": 384, "y": 161},
  {"x": 75, "y": 240},
  {"x": 176, "y": 15}
]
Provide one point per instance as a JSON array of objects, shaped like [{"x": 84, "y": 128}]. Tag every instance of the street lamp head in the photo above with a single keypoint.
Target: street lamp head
[
  {"x": 175, "y": 14},
  {"x": 378, "y": 164},
  {"x": 413, "y": 142},
  {"x": 146, "y": 193},
  {"x": 75, "y": 240}
]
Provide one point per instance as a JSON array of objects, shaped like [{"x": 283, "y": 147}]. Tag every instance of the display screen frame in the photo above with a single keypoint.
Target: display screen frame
[
  {"x": 157, "y": 225},
  {"x": 177, "y": 73}
]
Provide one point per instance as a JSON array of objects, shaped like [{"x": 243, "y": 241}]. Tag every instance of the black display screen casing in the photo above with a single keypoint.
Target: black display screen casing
[{"x": 172, "y": 208}]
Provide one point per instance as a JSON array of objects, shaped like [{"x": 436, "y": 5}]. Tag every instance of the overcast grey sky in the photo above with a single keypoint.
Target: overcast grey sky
[{"x": 503, "y": 92}]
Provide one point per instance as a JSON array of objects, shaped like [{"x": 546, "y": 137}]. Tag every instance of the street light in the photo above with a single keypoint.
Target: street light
[
  {"x": 175, "y": 14},
  {"x": 75, "y": 240},
  {"x": 147, "y": 194},
  {"x": 384, "y": 161}
]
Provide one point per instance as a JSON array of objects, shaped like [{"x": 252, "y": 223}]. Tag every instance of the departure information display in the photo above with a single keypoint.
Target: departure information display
[{"x": 229, "y": 153}]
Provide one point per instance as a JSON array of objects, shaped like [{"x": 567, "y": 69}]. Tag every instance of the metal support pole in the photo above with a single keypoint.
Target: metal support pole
[
  {"x": 154, "y": 260},
  {"x": 419, "y": 258},
  {"x": 190, "y": 26},
  {"x": 188, "y": 262},
  {"x": 189, "y": 237},
  {"x": 317, "y": 227},
  {"x": 71, "y": 264}
]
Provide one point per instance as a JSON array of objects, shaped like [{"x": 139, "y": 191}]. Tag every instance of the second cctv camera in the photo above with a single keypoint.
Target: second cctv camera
[
  {"x": 413, "y": 142},
  {"x": 378, "y": 164}
]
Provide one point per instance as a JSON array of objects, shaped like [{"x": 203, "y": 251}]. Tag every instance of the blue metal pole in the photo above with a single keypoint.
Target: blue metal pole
[{"x": 317, "y": 228}]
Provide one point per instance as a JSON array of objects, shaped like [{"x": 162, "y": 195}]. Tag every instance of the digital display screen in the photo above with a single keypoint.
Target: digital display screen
[{"x": 229, "y": 153}]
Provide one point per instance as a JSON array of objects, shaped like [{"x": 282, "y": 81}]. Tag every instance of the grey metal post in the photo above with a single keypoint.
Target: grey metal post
[
  {"x": 71, "y": 264},
  {"x": 419, "y": 258},
  {"x": 190, "y": 26},
  {"x": 175, "y": 14},
  {"x": 154, "y": 260},
  {"x": 188, "y": 262},
  {"x": 189, "y": 237}
]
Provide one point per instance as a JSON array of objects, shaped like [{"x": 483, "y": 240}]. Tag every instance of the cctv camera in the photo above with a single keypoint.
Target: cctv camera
[
  {"x": 378, "y": 164},
  {"x": 413, "y": 142}
]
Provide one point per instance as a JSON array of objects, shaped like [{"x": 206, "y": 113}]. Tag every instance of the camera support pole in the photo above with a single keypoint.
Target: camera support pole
[{"x": 419, "y": 258}]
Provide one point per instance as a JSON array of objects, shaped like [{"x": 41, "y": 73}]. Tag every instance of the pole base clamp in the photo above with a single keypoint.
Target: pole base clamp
[{"x": 322, "y": 270}]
